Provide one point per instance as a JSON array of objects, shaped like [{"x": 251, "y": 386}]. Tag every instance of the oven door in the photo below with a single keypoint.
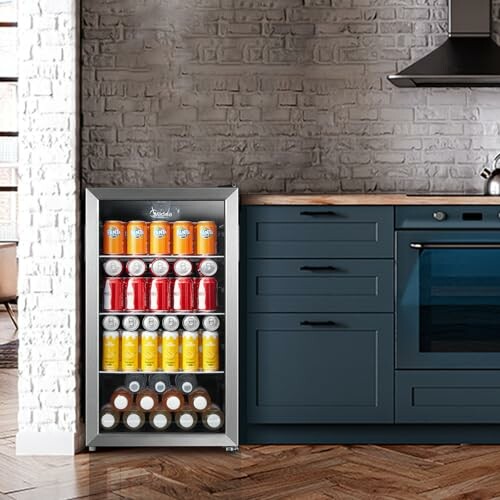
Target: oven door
[{"x": 448, "y": 299}]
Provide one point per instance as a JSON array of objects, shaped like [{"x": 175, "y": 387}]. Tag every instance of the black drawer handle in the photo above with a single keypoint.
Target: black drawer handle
[
  {"x": 318, "y": 269},
  {"x": 317, "y": 323},
  {"x": 324, "y": 213}
]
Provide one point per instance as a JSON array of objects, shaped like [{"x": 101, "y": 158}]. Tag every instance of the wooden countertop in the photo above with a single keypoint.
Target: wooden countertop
[{"x": 365, "y": 199}]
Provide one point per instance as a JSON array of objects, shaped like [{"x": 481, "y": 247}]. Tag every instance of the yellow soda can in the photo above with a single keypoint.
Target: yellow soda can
[
  {"x": 130, "y": 351},
  {"x": 190, "y": 351},
  {"x": 160, "y": 357},
  {"x": 149, "y": 351},
  {"x": 170, "y": 351},
  {"x": 110, "y": 351},
  {"x": 210, "y": 351}
]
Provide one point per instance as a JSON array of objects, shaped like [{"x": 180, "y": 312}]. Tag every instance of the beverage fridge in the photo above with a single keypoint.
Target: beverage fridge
[{"x": 161, "y": 298}]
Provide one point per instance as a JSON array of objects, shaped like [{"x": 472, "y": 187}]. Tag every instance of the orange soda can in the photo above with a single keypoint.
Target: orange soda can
[
  {"x": 148, "y": 232},
  {"x": 160, "y": 238},
  {"x": 114, "y": 237},
  {"x": 183, "y": 238},
  {"x": 206, "y": 237},
  {"x": 137, "y": 238}
]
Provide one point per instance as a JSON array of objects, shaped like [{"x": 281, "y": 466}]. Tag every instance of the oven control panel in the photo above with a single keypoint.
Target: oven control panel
[{"x": 448, "y": 217}]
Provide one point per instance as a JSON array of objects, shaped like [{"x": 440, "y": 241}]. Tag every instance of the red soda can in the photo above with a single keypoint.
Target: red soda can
[
  {"x": 159, "y": 267},
  {"x": 113, "y": 295},
  {"x": 113, "y": 267},
  {"x": 207, "y": 267},
  {"x": 136, "y": 267},
  {"x": 136, "y": 294},
  {"x": 183, "y": 294},
  {"x": 183, "y": 267},
  {"x": 206, "y": 294},
  {"x": 160, "y": 294}
]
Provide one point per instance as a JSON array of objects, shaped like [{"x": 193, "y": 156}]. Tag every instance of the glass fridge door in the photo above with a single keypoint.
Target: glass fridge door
[{"x": 162, "y": 309}]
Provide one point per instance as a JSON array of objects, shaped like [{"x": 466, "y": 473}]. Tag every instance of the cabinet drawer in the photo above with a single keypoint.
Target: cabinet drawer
[
  {"x": 303, "y": 369},
  {"x": 454, "y": 397},
  {"x": 312, "y": 231},
  {"x": 320, "y": 285}
]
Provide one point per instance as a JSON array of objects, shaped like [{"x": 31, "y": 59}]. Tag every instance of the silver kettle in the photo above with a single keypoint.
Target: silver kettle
[{"x": 492, "y": 178}]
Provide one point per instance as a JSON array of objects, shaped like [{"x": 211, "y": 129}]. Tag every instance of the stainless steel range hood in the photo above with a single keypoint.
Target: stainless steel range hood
[{"x": 469, "y": 58}]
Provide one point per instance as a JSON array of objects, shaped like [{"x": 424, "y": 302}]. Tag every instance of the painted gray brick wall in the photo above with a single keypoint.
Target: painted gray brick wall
[{"x": 276, "y": 95}]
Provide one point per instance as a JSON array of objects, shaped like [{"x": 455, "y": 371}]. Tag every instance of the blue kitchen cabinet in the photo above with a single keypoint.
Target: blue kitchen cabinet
[
  {"x": 310, "y": 356},
  {"x": 320, "y": 232},
  {"x": 447, "y": 396},
  {"x": 319, "y": 295},
  {"x": 319, "y": 368},
  {"x": 320, "y": 285}
]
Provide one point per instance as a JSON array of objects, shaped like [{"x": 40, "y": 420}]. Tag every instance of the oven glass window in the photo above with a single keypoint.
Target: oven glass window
[{"x": 460, "y": 300}]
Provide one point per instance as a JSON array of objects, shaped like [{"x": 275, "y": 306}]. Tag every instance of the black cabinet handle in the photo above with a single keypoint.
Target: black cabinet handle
[
  {"x": 318, "y": 269},
  {"x": 317, "y": 323},
  {"x": 324, "y": 213}
]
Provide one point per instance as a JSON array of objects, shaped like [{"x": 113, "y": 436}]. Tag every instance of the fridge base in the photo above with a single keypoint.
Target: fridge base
[{"x": 158, "y": 439}]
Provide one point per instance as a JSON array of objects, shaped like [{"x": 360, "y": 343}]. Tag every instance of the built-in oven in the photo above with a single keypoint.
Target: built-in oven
[{"x": 448, "y": 287}]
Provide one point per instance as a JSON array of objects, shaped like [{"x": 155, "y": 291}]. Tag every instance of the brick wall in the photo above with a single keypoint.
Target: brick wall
[
  {"x": 496, "y": 20},
  {"x": 276, "y": 95},
  {"x": 48, "y": 220}
]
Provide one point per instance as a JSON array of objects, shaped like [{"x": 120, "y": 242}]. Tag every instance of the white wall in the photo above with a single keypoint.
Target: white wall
[{"x": 49, "y": 227}]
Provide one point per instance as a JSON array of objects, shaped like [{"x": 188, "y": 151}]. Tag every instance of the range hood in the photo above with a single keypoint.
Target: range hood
[{"x": 469, "y": 58}]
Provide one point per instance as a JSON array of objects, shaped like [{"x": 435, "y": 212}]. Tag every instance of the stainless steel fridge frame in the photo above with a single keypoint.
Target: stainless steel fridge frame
[{"x": 94, "y": 437}]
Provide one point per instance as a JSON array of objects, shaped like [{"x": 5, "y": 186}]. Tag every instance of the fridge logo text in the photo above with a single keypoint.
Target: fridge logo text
[{"x": 163, "y": 213}]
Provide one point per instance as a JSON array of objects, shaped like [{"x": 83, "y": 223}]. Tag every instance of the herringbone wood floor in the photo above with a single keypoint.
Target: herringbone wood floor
[{"x": 258, "y": 472}]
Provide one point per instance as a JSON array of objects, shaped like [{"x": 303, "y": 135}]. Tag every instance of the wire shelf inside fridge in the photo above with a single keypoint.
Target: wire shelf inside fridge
[
  {"x": 154, "y": 313},
  {"x": 160, "y": 372},
  {"x": 150, "y": 258}
]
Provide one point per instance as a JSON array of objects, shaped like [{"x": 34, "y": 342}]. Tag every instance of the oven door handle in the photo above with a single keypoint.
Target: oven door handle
[{"x": 423, "y": 246}]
